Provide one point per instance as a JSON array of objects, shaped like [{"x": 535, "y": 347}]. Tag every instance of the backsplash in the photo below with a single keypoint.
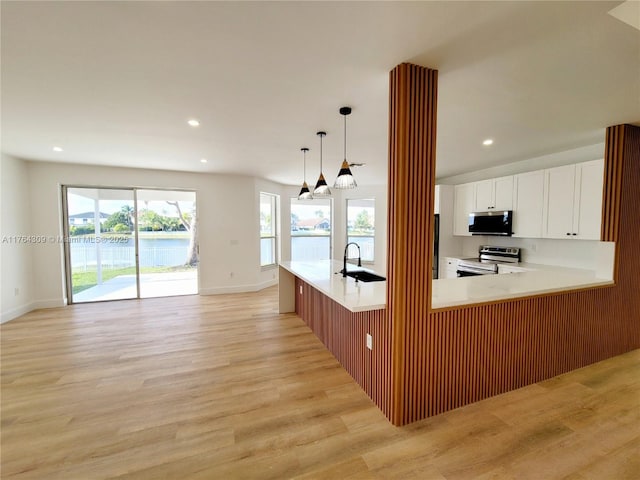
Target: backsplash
[{"x": 565, "y": 253}]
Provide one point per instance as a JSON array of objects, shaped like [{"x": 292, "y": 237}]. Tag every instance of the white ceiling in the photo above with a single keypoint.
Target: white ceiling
[{"x": 114, "y": 83}]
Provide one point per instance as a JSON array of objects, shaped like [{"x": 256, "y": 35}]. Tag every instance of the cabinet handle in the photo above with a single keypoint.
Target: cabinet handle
[
  {"x": 568, "y": 233},
  {"x": 574, "y": 234}
]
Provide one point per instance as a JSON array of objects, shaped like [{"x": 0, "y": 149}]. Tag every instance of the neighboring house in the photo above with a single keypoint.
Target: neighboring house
[
  {"x": 86, "y": 218},
  {"x": 313, "y": 224}
]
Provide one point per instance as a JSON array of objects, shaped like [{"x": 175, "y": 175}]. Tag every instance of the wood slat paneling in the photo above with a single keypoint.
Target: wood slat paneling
[
  {"x": 344, "y": 334},
  {"x": 412, "y": 142}
]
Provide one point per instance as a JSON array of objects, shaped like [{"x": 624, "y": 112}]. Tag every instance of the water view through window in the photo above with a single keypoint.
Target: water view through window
[{"x": 311, "y": 223}]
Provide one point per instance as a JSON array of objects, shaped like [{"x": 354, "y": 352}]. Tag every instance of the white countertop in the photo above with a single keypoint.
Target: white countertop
[
  {"x": 361, "y": 296},
  {"x": 355, "y": 296},
  {"x": 540, "y": 279}
]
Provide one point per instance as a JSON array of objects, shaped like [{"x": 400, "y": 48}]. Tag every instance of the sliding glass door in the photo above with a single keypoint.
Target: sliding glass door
[
  {"x": 168, "y": 246},
  {"x": 101, "y": 247},
  {"x": 129, "y": 243}
]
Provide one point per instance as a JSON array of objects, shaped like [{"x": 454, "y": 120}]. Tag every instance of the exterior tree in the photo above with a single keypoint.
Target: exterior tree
[
  {"x": 363, "y": 221},
  {"x": 122, "y": 216},
  {"x": 191, "y": 225}
]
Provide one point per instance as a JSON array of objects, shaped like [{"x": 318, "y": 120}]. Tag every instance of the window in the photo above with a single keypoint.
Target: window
[
  {"x": 268, "y": 229},
  {"x": 361, "y": 226},
  {"x": 310, "y": 229}
]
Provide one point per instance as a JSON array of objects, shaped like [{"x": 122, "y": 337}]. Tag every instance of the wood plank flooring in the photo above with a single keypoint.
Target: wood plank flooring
[{"x": 225, "y": 387}]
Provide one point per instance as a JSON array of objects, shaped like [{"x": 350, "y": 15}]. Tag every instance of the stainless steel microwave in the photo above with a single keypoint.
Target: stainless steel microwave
[{"x": 499, "y": 222}]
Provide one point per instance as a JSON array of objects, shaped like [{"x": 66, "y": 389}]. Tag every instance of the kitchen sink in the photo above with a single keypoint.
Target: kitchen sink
[{"x": 364, "y": 276}]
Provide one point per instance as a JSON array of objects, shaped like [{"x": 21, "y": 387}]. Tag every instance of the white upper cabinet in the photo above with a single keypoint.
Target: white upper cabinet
[
  {"x": 558, "y": 202},
  {"x": 494, "y": 194},
  {"x": 484, "y": 196},
  {"x": 587, "y": 220},
  {"x": 463, "y": 204},
  {"x": 573, "y": 201},
  {"x": 528, "y": 204},
  {"x": 503, "y": 193}
]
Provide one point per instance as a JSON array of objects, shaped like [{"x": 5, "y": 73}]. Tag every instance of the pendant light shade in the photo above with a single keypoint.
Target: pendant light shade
[
  {"x": 305, "y": 194},
  {"x": 322, "y": 189},
  {"x": 345, "y": 177}
]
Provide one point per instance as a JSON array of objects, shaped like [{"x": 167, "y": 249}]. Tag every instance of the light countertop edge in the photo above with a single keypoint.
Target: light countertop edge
[
  {"x": 354, "y": 296},
  {"x": 446, "y": 293}
]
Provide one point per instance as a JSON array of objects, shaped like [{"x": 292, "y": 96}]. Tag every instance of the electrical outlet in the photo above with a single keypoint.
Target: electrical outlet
[
  {"x": 534, "y": 247},
  {"x": 230, "y": 274},
  {"x": 16, "y": 291},
  {"x": 369, "y": 341}
]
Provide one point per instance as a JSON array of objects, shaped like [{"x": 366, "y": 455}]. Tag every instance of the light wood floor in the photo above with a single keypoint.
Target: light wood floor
[{"x": 223, "y": 387}]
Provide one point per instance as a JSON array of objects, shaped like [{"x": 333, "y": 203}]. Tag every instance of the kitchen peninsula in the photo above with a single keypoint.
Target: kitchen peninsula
[{"x": 364, "y": 296}]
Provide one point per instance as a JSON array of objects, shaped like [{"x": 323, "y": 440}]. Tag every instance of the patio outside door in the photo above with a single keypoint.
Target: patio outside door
[
  {"x": 101, "y": 251},
  {"x": 129, "y": 243},
  {"x": 167, "y": 243}
]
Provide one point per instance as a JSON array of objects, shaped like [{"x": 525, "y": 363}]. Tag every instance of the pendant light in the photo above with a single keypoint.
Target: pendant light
[
  {"x": 322, "y": 189},
  {"x": 345, "y": 177},
  {"x": 305, "y": 194}
]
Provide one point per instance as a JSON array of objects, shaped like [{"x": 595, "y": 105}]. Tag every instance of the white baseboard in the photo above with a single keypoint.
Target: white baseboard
[
  {"x": 53, "y": 303},
  {"x": 238, "y": 288},
  {"x": 16, "y": 312},
  {"x": 24, "y": 309}
]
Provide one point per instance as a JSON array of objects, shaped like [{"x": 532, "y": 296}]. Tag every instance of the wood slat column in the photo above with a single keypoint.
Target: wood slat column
[{"x": 412, "y": 146}]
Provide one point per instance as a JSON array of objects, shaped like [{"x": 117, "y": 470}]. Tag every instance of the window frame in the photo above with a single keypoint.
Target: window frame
[
  {"x": 321, "y": 202},
  {"x": 273, "y": 200},
  {"x": 350, "y": 238}
]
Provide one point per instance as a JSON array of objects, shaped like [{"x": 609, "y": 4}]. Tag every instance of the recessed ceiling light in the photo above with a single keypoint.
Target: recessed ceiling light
[
  {"x": 203, "y": 160},
  {"x": 193, "y": 122},
  {"x": 488, "y": 141},
  {"x": 57, "y": 149}
]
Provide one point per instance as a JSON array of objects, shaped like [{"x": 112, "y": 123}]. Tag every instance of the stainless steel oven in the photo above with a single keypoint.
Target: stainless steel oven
[{"x": 487, "y": 261}]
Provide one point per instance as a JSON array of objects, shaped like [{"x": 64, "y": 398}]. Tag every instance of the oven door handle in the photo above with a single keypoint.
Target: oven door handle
[{"x": 477, "y": 271}]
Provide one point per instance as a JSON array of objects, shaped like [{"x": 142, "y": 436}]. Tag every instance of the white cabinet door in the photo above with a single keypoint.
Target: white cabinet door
[
  {"x": 503, "y": 193},
  {"x": 463, "y": 205},
  {"x": 484, "y": 196},
  {"x": 449, "y": 267},
  {"x": 587, "y": 216},
  {"x": 558, "y": 202},
  {"x": 528, "y": 205},
  {"x": 494, "y": 194}
]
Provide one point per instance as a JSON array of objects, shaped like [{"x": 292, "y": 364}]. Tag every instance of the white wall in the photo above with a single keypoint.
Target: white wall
[
  {"x": 228, "y": 211},
  {"x": 228, "y": 223},
  {"x": 547, "y": 251},
  {"x": 17, "y": 291}
]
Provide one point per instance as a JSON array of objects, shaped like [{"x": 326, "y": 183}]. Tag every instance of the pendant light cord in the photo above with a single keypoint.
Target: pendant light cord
[{"x": 345, "y": 137}]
